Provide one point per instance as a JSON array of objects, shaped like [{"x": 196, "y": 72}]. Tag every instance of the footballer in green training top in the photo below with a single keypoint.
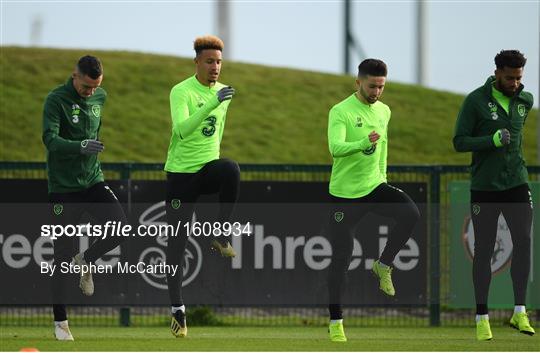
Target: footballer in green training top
[
  {"x": 358, "y": 142},
  {"x": 490, "y": 125},
  {"x": 71, "y": 123},
  {"x": 194, "y": 167}
]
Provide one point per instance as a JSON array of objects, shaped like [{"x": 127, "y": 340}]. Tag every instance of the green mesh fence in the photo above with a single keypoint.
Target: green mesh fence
[{"x": 435, "y": 313}]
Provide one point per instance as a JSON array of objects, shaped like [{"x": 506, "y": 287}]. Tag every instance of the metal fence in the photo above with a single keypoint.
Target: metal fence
[{"x": 435, "y": 313}]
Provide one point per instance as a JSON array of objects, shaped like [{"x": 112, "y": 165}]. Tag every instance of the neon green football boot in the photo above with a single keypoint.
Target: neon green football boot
[
  {"x": 336, "y": 332},
  {"x": 224, "y": 248},
  {"x": 483, "y": 330},
  {"x": 384, "y": 274},
  {"x": 520, "y": 321}
]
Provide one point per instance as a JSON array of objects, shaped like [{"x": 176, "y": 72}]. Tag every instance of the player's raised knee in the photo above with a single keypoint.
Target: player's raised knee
[{"x": 230, "y": 169}]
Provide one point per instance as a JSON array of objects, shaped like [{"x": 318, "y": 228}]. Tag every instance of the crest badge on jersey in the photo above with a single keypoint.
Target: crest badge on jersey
[
  {"x": 96, "y": 110},
  {"x": 57, "y": 209},
  {"x": 521, "y": 110},
  {"x": 175, "y": 204}
]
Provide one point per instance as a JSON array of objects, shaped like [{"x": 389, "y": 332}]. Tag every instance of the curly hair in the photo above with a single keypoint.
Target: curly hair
[
  {"x": 207, "y": 42},
  {"x": 510, "y": 58}
]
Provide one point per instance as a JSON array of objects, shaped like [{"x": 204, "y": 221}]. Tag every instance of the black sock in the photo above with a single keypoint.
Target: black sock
[
  {"x": 59, "y": 311},
  {"x": 481, "y": 309},
  {"x": 336, "y": 313}
]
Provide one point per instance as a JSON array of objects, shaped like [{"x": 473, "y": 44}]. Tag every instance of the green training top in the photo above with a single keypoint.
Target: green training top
[
  {"x": 359, "y": 166},
  {"x": 503, "y": 100},
  {"x": 67, "y": 120},
  {"x": 198, "y": 120},
  {"x": 481, "y": 115}
]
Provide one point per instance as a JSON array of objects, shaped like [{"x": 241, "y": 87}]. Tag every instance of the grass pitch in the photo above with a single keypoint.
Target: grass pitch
[{"x": 265, "y": 339}]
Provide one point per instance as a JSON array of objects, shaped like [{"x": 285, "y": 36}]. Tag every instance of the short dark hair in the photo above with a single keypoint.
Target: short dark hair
[
  {"x": 510, "y": 58},
  {"x": 372, "y": 67},
  {"x": 207, "y": 42},
  {"x": 90, "y": 66}
]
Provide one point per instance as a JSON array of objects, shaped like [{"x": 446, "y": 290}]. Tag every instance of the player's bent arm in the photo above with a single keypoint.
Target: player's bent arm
[
  {"x": 222, "y": 127},
  {"x": 384, "y": 148},
  {"x": 472, "y": 144},
  {"x": 463, "y": 140},
  {"x": 336, "y": 138},
  {"x": 51, "y": 128},
  {"x": 183, "y": 123}
]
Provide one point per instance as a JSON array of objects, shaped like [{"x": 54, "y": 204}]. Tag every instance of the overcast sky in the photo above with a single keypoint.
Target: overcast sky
[{"x": 463, "y": 36}]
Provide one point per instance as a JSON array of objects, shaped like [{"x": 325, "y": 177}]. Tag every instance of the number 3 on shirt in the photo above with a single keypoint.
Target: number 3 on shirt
[{"x": 211, "y": 127}]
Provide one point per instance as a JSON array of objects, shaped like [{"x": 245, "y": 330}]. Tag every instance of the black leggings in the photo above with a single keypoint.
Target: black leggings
[
  {"x": 101, "y": 203},
  {"x": 516, "y": 206},
  {"x": 385, "y": 200},
  {"x": 183, "y": 189}
]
